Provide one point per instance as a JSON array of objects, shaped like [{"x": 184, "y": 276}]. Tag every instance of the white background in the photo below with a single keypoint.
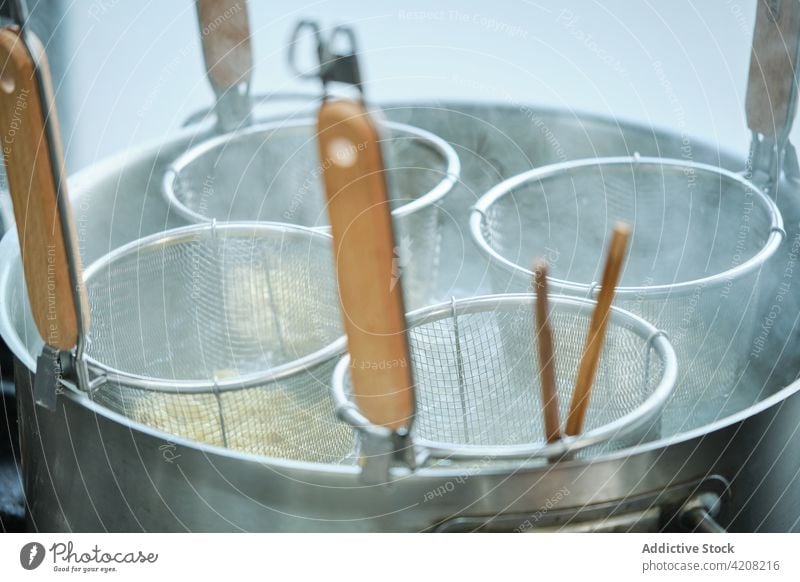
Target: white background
[
  {"x": 404, "y": 557},
  {"x": 134, "y": 68}
]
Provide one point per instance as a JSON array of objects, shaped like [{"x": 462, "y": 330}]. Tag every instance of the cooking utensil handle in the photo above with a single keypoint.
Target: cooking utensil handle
[
  {"x": 228, "y": 54},
  {"x": 597, "y": 330},
  {"x": 34, "y": 167},
  {"x": 366, "y": 263},
  {"x": 225, "y": 34},
  {"x": 771, "y": 100}
]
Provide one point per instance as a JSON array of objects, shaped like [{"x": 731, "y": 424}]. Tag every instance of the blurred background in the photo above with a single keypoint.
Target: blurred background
[{"x": 130, "y": 72}]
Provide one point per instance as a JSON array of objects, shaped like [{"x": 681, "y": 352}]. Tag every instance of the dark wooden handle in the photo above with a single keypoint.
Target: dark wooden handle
[
  {"x": 547, "y": 364},
  {"x": 597, "y": 329},
  {"x": 225, "y": 34},
  {"x": 34, "y": 193},
  {"x": 365, "y": 256},
  {"x": 770, "y": 101}
]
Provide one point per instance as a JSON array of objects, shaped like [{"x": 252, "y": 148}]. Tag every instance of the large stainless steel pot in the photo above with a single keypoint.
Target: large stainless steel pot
[{"x": 85, "y": 468}]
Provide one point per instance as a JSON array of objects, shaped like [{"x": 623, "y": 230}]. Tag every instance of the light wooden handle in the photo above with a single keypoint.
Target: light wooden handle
[
  {"x": 34, "y": 192},
  {"x": 547, "y": 364},
  {"x": 597, "y": 329},
  {"x": 771, "y": 101},
  {"x": 366, "y": 263},
  {"x": 225, "y": 34}
]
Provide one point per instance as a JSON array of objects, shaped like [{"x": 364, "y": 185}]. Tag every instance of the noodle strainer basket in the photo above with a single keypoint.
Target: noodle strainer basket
[
  {"x": 477, "y": 381},
  {"x": 272, "y": 172},
  {"x": 222, "y": 333}
]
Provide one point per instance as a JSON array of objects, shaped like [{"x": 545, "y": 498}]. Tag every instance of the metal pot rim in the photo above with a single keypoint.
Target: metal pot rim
[{"x": 480, "y": 209}]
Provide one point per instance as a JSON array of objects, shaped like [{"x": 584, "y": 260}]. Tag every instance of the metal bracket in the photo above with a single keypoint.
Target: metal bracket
[
  {"x": 699, "y": 512},
  {"x": 335, "y": 66},
  {"x": 48, "y": 376},
  {"x": 384, "y": 452},
  {"x": 765, "y": 162},
  {"x": 234, "y": 108}
]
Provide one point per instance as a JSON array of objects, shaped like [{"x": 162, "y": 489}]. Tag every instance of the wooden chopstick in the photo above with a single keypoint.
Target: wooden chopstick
[
  {"x": 544, "y": 343},
  {"x": 597, "y": 329}
]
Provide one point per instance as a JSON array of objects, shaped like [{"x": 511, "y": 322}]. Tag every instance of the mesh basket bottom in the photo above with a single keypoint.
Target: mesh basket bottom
[{"x": 267, "y": 421}]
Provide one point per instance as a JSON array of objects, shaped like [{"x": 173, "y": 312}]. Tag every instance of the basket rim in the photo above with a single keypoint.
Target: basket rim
[
  {"x": 349, "y": 412},
  {"x": 479, "y": 212},
  {"x": 452, "y": 173},
  {"x": 199, "y": 386}
]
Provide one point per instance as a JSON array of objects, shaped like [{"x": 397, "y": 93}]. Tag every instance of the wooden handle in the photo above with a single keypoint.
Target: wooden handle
[
  {"x": 34, "y": 193},
  {"x": 597, "y": 329},
  {"x": 225, "y": 34},
  {"x": 770, "y": 101},
  {"x": 547, "y": 363},
  {"x": 364, "y": 250}
]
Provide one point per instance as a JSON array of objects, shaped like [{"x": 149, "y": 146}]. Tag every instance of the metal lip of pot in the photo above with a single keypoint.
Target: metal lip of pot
[
  {"x": 433, "y": 472},
  {"x": 449, "y": 179},
  {"x": 177, "y": 235},
  {"x": 621, "y": 426},
  {"x": 480, "y": 209}
]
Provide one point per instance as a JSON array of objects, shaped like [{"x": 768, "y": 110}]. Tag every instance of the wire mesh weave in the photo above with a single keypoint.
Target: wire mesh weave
[
  {"x": 700, "y": 236},
  {"x": 273, "y": 172},
  {"x": 224, "y": 334},
  {"x": 477, "y": 376}
]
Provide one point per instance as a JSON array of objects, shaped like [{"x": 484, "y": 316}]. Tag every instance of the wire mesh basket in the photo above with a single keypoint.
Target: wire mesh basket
[
  {"x": 223, "y": 334},
  {"x": 477, "y": 382},
  {"x": 700, "y": 237},
  {"x": 272, "y": 172}
]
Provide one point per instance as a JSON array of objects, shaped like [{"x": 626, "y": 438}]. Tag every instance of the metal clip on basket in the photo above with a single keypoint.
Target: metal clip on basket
[{"x": 477, "y": 382}]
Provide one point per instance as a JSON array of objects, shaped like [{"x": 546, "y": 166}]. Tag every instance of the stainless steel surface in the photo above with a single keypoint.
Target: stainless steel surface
[
  {"x": 272, "y": 171},
  {"x": 223, "y": 334},
  {"x": 87, "y": 468},
  {"x": 120, "y": 479},
  {"x": 701, "y": 238},
  {"x": 477, "y": 384},
  {"x": 495, "y": 142}
]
